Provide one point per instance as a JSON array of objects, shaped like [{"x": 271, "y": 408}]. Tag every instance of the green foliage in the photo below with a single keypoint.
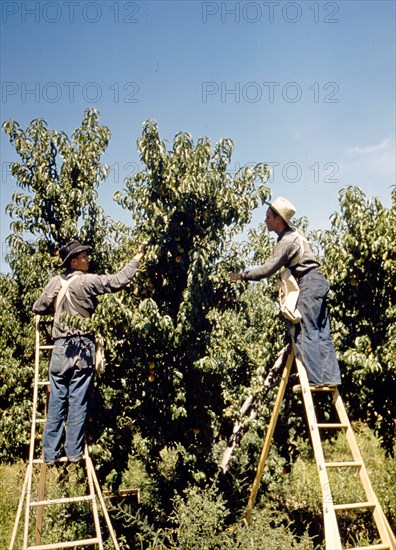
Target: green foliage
[
  {"x": 60, "y": 190},
  {"x": 169, "y": 380},
  {"x": 11, "y": 481},
  {"x": 269, "y": 530},
  {"x": 360, "y": 261},
  {"x": 301, "y": 495},
  {"x": 15, "y": 374},
  {"x": 185, "y": 346},
  {"x": 59, "y": 177},
  {"x": 61, "y": 523},
  {"x": 201, "y": 519}
]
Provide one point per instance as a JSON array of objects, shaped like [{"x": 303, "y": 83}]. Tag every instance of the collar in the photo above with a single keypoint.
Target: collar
[
  {"x": 283, "y": 233},
  {"x": 70, "y": 272}
]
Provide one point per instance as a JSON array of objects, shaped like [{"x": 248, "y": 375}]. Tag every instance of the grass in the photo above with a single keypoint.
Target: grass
[
  {"x": 289, "y": 512},
  {"x": 62, "y": 522},
  {"x": 11, "y": 482},
  {"x": 301, "y": 491}
]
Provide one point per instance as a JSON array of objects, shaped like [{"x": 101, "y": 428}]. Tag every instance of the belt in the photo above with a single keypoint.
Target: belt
[
  {"x": 312, "y": 269},
  {"x": 77, "y": 335}
]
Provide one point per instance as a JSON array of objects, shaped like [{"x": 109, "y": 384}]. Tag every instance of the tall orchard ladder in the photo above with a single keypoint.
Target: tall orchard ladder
[
  {"x": 331, "y": 527},
  {"x": 35, "y": 506}
]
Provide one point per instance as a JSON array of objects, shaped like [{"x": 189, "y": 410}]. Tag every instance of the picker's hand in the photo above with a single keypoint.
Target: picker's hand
[
  {"x": 236, "y": 276},
  {"x": 141, "y": 251},
  {"x": 142, "y": 247}
]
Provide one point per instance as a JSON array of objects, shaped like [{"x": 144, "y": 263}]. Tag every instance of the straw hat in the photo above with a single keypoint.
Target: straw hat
[{"x": 283, "y": 208}]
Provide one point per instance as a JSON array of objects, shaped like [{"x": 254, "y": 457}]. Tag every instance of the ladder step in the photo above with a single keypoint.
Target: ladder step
[
  {"x": 41, "y": 461},
  {"x": 373, "y": 547},
  {"x": 44, "y": 383},
  {"x": 62, "y": 459},
  {"x": 332, "y": 425},
  {"x": 61, "y": 501},
  {"x": 343, "y": 464},
  {"x": 41, "y": 421},
  {"x": 46, "y": 347},
  {"x": 71, "y": 544},
  {"x": 298, "y": 388},
  {"x": 353, "y": 505},
  {"x": 323, "y": 388}
]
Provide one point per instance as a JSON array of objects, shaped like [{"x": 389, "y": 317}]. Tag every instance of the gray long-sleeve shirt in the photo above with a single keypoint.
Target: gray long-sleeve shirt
[
  {"x": 291, "y": 251},
  {"x": 83, "y": 291}
]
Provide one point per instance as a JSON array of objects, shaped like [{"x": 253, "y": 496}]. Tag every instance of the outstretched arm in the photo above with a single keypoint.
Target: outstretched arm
[{"x": 104, "y": 284}]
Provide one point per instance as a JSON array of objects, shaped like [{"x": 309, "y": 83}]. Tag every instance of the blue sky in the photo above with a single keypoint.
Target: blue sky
[{"x": 306, "y": 86}]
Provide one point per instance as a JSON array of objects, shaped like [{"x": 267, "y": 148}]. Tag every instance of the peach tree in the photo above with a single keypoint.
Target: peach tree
[
  {"x": 185, "y": 346},
  {"x": 57, "y": 178},
  {"x": 360, "y": 261},
  {"x": 167, "y": 382}
]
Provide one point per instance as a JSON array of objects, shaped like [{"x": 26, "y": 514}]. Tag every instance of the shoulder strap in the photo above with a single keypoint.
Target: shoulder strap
[
  {"x": 64, "y": 291},
  {"x": 64, "y": 286},
  {"x": 82, "y": 311},
  {"x": 301, "y": 240}
]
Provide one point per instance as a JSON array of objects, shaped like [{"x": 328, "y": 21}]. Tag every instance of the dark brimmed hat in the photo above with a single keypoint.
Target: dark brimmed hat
[{"x": 71, "y": 249}]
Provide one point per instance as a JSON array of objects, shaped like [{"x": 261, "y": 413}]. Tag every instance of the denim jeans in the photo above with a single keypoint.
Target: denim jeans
[
  {"x": 312, "y": 339},
  {"x": 71, "y": 374}
]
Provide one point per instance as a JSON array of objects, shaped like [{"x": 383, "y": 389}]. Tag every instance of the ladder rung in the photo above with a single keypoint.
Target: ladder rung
[
  {"x": 343, "y": 464},
  {"x": 352, "y": 505},
  {"x": 46, "y": 347},
  {"x": 41, "y": 421},
  {"x": 62, "y": 459},
  {"x": 61, "y": 501},
  {"x": 298, "y": 388},
  {"x": 323, "y": 388},
  {"x": 373, "y": 547},
  {"x": 133, "y": 494},
  {"x": 44, "y": 383},
  {"x": 332, "y": 425},
  {"x": 71, "y": 544},
  {"x": 41, "y": 461}
]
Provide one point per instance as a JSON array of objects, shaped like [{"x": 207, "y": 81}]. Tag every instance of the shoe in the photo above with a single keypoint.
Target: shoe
[
  {"x": 52, "y": 462},
  {"x": 74, "y": 459},
  {"x": 297, "y": 388},
  {"x": 329, "y": 386}
]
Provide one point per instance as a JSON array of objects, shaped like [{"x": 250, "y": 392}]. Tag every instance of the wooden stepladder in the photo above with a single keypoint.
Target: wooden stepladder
[
  {"x": 32, "y": 498},
  {"x": 331, "y": 527}
]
